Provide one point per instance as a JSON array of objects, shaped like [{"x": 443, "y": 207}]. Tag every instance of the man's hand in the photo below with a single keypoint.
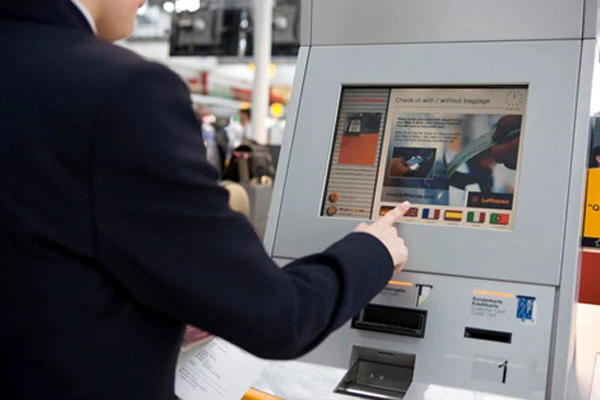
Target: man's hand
[
  {"x": 399, "y": 167},
  {"x": 386, "y": 232},
  {"x": 506, "y": 152}
]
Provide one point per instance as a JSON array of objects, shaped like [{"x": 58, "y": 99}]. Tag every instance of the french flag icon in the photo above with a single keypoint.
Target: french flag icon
[{"x": 429, "y": 213}]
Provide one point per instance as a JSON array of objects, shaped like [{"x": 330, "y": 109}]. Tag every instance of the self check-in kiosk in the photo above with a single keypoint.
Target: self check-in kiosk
[{"x": 478, "y": 114}]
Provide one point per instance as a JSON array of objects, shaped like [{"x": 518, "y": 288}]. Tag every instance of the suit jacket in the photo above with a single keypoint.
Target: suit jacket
[{"x": 114, "y": 232}]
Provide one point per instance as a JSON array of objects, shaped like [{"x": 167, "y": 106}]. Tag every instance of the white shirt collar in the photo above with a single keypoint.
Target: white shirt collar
[{"x": 86, "y": 14}]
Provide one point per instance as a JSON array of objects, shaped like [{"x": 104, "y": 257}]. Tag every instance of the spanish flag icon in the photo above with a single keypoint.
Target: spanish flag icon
[
  {"x": 499, "y": 219},
  {"x": 453, "y": 215}
]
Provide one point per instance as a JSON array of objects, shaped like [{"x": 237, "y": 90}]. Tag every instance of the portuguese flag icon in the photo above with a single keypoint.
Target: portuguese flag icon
[{"x": 499, "y": 219}]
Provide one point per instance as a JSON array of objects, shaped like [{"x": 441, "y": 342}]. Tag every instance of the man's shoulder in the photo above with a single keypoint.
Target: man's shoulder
[
  {"x": 50, "y": 45},
  {"x": 110, "y": 53},
  {"x": 114, "y": 70},
  {"x": 115, "y": 59},
  {"x": 80, "y": 61}
]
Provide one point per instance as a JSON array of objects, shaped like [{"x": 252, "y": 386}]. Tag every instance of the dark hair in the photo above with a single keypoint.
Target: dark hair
[
  {"x": 247, "y": 112},
  {"x": 596, "y": 151}
]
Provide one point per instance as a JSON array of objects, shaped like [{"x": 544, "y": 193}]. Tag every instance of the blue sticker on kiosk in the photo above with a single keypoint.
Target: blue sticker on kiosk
[{"x": 525, "y": 308}]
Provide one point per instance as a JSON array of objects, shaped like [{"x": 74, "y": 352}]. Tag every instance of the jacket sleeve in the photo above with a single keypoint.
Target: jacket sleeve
[{"x": 165, "y": 231}]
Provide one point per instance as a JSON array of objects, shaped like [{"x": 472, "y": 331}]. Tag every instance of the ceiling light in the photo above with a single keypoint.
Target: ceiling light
[
  {"x": 169, "y": 7},
  {"x": 187, "y": 5}
]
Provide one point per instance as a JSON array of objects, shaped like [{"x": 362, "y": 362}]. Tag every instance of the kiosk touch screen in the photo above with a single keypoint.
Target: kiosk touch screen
[{"x": 453, "y": 152}]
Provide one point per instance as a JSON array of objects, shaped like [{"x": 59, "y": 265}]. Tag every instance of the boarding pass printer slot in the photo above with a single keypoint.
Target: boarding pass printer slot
[{"x": 395, "y": 320}]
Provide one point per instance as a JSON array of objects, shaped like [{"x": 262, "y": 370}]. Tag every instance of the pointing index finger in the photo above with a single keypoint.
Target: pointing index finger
[{"x": 392, "y": 216}]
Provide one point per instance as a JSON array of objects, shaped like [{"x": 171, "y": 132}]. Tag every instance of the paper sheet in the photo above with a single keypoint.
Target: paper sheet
[
  {"x": 438, "y": 392},
  {"x": 595, "y": 395},
  {"x": 216, "y": 370}
]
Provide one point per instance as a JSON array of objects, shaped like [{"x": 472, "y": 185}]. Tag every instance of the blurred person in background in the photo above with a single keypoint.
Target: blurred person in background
[
  {"x": 245, "y": 115},
  {"x": 213, "y": 156},
  {"x": 595, "y": 157}
]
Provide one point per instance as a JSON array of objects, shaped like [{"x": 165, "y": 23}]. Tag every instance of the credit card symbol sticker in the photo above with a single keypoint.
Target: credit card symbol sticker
[
  {"x": 431, "y": 213},
  {"x": 525, "y": 309},
  {"x": 451, "y": 215},
  {"x": 476, "y": 217},
  {"x": 499, "y": 219}
]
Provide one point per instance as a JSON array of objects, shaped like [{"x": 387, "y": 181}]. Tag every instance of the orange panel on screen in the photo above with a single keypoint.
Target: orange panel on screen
[{"x": 359, "y": 149}]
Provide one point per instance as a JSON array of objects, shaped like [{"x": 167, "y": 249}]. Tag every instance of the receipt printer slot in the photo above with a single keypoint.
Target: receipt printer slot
[
  {"x": 396, "y": 320},
  {"x": 378, "y": 374}
]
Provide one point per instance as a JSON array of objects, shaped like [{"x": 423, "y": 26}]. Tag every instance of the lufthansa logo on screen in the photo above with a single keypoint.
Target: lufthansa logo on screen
[{"x": 594, "y": 207}]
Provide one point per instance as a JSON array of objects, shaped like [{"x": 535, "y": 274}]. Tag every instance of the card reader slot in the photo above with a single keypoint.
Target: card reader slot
[
  {"x": 395, "y": 320},
  {"x": 485, "y": 334}
]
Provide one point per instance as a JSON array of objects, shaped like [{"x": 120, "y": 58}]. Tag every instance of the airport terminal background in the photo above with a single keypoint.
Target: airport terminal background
[{"x": 210, "y": 45}]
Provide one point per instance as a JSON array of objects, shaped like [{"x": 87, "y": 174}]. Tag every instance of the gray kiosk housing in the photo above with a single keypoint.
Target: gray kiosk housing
[{"x": 549, "y": 47}]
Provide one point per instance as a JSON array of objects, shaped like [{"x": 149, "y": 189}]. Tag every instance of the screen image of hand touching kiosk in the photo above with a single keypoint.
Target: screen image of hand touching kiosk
[{"x": 453, "y": 153}]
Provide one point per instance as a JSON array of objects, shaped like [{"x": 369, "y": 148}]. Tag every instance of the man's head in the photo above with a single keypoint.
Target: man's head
[
  {"x": 201, "y": 111},
  {"x": 114, "y": 19},
  {"x": 245, "y": 116}
]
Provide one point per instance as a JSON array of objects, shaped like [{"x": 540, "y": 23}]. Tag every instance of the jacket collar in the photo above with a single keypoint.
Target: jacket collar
[{"x": 61, "y": 13}]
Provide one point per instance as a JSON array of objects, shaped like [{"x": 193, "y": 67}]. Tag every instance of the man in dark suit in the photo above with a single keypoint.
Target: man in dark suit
[{"x": 114, "y": 232}]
